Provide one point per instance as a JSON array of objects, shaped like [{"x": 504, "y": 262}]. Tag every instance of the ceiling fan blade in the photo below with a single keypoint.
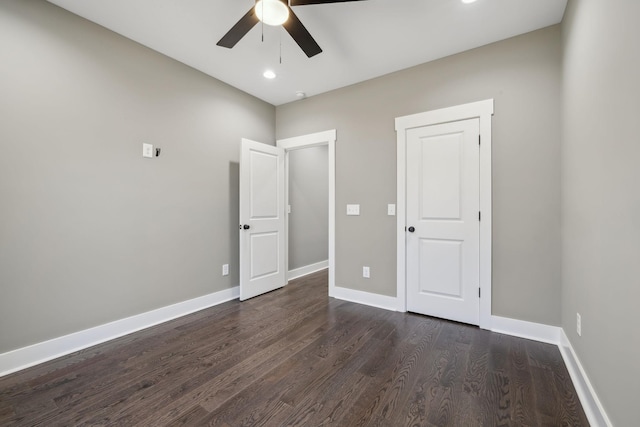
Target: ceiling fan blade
[
  {"x": 306, "y": 2},
  {"x": 301, "y": 36},
  {"x": 238, "y": 31}
]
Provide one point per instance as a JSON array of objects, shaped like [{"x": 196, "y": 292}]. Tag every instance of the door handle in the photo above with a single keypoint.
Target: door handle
[
  {"x": 411, "y": 229},
  {"x": 246, "y": 226}
]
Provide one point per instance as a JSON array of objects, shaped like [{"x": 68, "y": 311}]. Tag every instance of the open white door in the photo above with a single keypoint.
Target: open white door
[{"x": 262, "y": 219}]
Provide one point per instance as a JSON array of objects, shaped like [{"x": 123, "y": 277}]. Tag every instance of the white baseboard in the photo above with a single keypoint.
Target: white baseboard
[
  {"x": 555, "y": 335},
  {"x": 366, "y": 298},
  {"x": 26, "y": 357},
  {"x": 524, "y": 329},
  {"x": 590, "y": 402},
  {"x": 307, "y": 269}
]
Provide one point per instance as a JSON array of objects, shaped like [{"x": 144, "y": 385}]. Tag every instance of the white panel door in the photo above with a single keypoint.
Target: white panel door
[
  {"x": 262, "y": 220},
  {"x": 443, "y": 197}
]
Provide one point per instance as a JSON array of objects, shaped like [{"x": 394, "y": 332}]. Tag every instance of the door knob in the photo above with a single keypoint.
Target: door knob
[
  {"x": 246, "y": 226},
  {"x": 411, "y": 229}
]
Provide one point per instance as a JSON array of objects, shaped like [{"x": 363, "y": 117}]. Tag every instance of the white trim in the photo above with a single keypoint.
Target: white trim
[
  {"x": 366, "y": 298},
  {"x": 313, "y": 140},
  {"x": 555, "y": 335},
  {"x": 591, "y": 404},
  {"x": 307, "y": 269},
  {"x": 306, "y": 141},
  {"x": 35, "y": 354},
  {"x": 482, "y": 110},
  {"x": 524, "y": 329}
]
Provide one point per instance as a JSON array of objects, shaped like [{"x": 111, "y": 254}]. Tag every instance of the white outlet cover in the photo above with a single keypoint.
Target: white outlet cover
[
  {"x": 391, "y": 209},
  {"x": 579, "y": 324},
  {"x": 147, "y": 150}
]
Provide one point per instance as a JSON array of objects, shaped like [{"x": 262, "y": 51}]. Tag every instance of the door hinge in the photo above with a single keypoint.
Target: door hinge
[
  {"x": 479, "y": 296},
  {"x": 479, "y": 141},
  {"x": 479, "y": 216}
]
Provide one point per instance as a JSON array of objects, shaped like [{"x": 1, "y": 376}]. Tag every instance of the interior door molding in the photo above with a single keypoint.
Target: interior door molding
[
  {"x": 327, "y": 138},
  {"x": 483, "y": 110}
]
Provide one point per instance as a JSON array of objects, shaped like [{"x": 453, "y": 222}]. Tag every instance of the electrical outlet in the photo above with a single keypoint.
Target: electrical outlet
[
  {"x": 365, "y": 272},
  {"x": 147, "y": 150},
  {"x": 391, "y": 209},
  {"x": 579, "y": 324},
  {"x": 225, "y": 269},
  {"x": 353, "y": 209}
]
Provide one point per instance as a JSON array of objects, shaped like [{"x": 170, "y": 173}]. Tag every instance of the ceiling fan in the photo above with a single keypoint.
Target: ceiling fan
[{"x": 280, "y": 14}]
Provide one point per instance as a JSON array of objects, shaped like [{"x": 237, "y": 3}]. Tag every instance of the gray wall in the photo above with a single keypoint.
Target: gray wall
[
  {"x": 309, "y": 200},
  {"x": 91, "y": 232},
  {"x": 601, "y": 200},
  {"x": 523, "y": 75}
]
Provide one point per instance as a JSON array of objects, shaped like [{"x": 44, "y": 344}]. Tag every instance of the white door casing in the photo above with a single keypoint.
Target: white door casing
[
  {"x": 442, "y": 220},
  {"x": 262, "y": 219},
  {"x": 327, "y": 138},
  {"x": 482, "y": 110}
]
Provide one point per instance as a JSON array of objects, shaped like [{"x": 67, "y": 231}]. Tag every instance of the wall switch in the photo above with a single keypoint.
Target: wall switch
[
  {"x": 579, "y": 324},
  {"x": 147, "y": 150},
  {"x": 391, "y": 209},
  {"x": 288, "y": 208},
  {"x": 225, "y": 269},
  {"x": 353, "y": 209},
  {"x": 365, "y": 272}
]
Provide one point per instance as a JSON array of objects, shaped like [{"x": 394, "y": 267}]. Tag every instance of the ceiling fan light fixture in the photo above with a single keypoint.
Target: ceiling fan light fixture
[{"x": 272, "y": 12}]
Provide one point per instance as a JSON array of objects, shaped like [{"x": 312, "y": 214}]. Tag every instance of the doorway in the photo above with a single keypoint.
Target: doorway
[
  {"x": 328, "y": 139},
  {"x": 307, "y": 210},
  {"x": 444, "y": 213}
]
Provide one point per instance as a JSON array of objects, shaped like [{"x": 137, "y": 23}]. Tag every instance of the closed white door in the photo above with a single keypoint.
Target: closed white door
[
  {"x": 262, "y": 220},
  {"x": 442, "y": 218}
]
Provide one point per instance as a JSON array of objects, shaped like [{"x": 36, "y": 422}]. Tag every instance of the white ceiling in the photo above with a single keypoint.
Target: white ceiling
[{"x": 360, "y": 40}]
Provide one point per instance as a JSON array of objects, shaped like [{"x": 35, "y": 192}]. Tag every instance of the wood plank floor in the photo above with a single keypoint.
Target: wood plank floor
[{"x": 295, "y": 357}]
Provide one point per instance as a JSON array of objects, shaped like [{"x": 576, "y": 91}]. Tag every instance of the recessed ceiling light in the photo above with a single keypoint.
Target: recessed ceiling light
[
  {"x": 468, "y": 1},
  {"x": 269, "y": 74}
]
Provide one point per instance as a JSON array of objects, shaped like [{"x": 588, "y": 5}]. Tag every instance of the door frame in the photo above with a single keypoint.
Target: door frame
[
  {"x": 483, "y": 110},
  {"x": 317, "y": 139}
]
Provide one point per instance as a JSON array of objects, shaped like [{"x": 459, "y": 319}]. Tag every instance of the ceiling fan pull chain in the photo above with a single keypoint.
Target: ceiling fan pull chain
[{"x": 281, "y": 30}]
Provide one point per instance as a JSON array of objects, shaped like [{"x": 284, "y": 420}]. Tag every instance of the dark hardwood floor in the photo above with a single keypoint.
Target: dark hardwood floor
[{"x": 295, "y": 357}]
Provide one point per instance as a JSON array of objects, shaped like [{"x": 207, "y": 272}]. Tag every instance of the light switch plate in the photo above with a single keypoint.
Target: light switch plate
[
  {"x": 147, "y": 150},
  {"x": 353, "y": 209},
  {"x": 391, "y": 209}
]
